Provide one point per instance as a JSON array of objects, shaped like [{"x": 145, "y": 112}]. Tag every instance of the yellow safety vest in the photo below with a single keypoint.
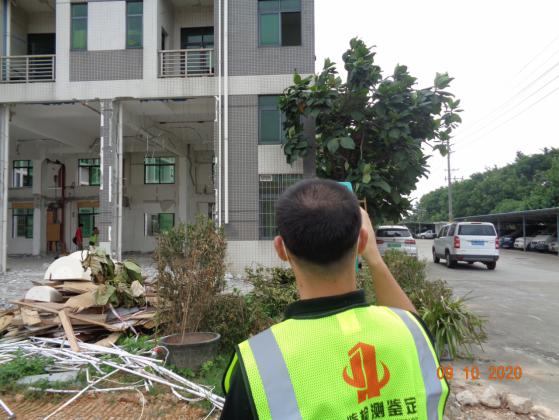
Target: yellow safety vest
[{"x": 364, "y": 363}]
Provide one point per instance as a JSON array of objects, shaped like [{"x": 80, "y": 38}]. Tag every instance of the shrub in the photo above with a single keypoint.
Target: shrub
[
  {"x": 235, "y": 319},
  {"x": 22, "y": 365},
  {"x": 274, "y": 289},
  {"x": 190, "y": 274}
]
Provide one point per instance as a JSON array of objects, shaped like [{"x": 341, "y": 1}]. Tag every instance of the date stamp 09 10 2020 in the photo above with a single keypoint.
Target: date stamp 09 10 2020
[{"x": 473, "y": 372}]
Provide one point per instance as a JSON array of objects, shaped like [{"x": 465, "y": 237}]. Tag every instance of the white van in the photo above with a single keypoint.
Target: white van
[{"x": 467, "y": 241}]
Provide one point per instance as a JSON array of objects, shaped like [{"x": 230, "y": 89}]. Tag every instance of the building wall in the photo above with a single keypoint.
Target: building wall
[
  {"x": 191, "y": 17},
  {"x": 166, "y": 21},
  {"x": 106, "y": 25},
  {"x": 247, "y": 57},
  {"x": 18, "y": 32},
  {"x": 106, "y": 65}
]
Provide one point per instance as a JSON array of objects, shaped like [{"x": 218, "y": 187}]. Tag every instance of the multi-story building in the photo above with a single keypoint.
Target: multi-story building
[{"x": 135, "y": 116}]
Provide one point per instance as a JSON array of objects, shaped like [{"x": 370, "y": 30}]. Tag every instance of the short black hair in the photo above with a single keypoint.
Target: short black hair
[
  {"x": 319, "y": 220},
  {"x": 80, "y": 225}
]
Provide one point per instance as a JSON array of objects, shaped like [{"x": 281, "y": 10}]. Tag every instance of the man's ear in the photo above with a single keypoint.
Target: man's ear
[
  {"x": 362, "y": 240},
  {"x": 280, "y": 248}
]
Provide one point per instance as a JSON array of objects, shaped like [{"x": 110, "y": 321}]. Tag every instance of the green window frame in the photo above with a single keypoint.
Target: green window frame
[
  {"x": 89, "y": 172},
  {"x": 87, "y": 216},
  {"x": 269, "y": 189},
  {"x": 279, "y": 23},
  {"x": 22, "y": 175},
  {"x": 161, "y": 222},
  {"x": 22, "y": 223},
  {"x": 159, "y": 170},
  {"x": 78, "y": 26},
  {"x": 134, "y": 24},
  {"x": 270, "y": 120}
]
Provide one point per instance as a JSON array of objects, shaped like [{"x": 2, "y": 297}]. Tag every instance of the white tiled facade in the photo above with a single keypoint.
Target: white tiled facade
[{"x": 62, "y": 121}]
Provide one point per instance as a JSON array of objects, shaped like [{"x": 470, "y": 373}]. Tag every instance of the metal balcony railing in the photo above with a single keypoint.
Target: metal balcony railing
[
  {"x": 27, "y": 68},
  {"x": 186, "y": 63}
]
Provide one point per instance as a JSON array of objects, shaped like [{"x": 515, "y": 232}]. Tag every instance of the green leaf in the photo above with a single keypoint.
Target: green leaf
[
  {"x": 357, "y": 116},
  {"x": 133, "y": 270},
  {"x": 394, "y": 133},
  {"x": 347, "y": 143},
  {"x": 383, "y": 185},
  {"x": 297, "y": 78},
  {"x": 346, "y": 165},
  {"x": 333, "y": 145},
  {"x": 366, "y": 178},
  {"x": 442, "y": 80},
  {"x": 103, "y": 294}
]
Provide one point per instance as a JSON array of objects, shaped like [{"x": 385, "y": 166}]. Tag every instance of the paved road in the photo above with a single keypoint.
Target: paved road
[{"x": 521, "y": 301}]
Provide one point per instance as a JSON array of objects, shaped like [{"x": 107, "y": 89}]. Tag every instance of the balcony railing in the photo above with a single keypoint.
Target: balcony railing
[
  {"x": 27, "y": 68},
  {"x": 186, "y": 63}
]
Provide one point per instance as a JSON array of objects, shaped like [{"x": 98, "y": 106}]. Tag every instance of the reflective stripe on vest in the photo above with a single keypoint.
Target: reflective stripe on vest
[
  {"x": 432, "y": 383},
  {"x": 310, "y": 384}
]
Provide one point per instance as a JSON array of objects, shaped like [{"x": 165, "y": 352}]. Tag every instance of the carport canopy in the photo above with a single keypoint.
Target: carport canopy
[{"x": 547, "y": 216}]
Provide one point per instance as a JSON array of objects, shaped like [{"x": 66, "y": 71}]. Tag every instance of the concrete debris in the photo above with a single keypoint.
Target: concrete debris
[
  {"x": 66, "y": 376},
  {"x": 44, "y": 294},
  {"x": 137, "y": 289},
  {"x": 519, "y": 405},
  {"x": 466, "y": 398},
  {"x": 490, "y": 398},
  {"x": 67, "y": 268},
  {"x": 544, "y": 413}
]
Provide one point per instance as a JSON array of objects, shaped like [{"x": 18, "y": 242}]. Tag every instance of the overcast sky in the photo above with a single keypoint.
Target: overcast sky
[{"x": 504, "y": 56}]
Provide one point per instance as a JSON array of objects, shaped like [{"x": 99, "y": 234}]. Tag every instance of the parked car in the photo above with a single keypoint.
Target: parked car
[
  {"x": 541, "y": 242},
  {"x": 519, "y": 242},
  {"x": 467, "y": 241},
  {"x": 507, "y": 241},
  {"x": 398, "y": 238},
  {"x": 428, "y": 234}
]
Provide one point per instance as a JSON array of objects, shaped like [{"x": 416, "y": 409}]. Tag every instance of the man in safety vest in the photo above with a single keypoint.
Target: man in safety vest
[{"x": 335, "y": 356}]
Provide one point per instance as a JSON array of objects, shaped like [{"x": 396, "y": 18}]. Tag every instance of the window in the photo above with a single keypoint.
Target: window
[
  {"x": 270, "y": 188},
  {"x": 23, "y": 173},
  {"x": 78, "y": 25},
  {"x": 270, "y": 120},
  {"x": 22, "y": 223},
  {"x": 89, "y": 172},
  {"x": 476, "y": 230},
  {"x": 87, "y": 216},
  {"x": 159, "y": 170},
  {"x": 452, "y": 229},
  {"x": 134, "y": 24},
  {"x": 393, "y": 233},
  {"x": 279, "y": 22},
  {"x": 160, "y": 223}
]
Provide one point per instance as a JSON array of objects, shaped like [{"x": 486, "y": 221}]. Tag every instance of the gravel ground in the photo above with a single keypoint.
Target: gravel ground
[{"x": 25, "y": 269}]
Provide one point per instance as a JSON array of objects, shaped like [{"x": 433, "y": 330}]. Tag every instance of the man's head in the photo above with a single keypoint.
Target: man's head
[
  {"x": 319, "y": 224},
  {"x": 80, "y": 225}
]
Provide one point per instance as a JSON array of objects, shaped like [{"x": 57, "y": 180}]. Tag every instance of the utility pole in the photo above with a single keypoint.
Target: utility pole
[{"x": 449, "y": 183}]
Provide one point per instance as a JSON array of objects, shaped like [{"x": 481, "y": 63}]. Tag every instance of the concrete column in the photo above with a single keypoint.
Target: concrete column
[
  {"x": 62, "y": 42},
  {"x": 110, "y": 190},
  {"x": 38, "y": 239},
  {"x": 182, "y": 189},
  {"x": 4, "y": 179},
  {"x": 151, "y": 37}
]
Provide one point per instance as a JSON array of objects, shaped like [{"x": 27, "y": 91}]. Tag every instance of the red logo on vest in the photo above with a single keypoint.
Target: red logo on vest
[{"x": 363, "y": 362}]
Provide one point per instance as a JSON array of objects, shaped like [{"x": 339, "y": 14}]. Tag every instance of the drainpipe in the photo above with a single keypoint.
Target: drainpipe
[
  {"x": 226, "y": 105},
  {"x": 218, "y": 108}
]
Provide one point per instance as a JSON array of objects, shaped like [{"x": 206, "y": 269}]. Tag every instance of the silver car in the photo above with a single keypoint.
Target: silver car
[{"x": 397, "y": 238}]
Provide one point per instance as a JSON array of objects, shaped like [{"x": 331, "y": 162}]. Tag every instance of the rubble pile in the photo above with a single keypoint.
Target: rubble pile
[{"x": 84, "y": 297}]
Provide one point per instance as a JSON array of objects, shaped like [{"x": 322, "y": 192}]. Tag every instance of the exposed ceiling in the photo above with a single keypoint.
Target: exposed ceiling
[
  {"x": 36, "y": 6},
  {"x": 72, "y": 127}
]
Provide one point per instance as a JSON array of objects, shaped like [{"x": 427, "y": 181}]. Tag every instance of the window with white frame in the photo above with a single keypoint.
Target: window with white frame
[
  {"x": 89, "y": 172},
  {"x": 22, "y": 174}
]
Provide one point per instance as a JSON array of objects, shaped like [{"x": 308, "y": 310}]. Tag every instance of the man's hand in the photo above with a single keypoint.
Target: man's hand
[
  {"x": 370, "y": 254},
  {"x": 387, "y": 289}
]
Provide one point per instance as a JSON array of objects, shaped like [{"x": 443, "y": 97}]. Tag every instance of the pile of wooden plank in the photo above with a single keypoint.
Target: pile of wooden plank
[{"x": 67, "y": 308}]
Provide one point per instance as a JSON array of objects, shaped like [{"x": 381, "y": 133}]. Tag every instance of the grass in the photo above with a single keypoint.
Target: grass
[{"x": 21, "y": 366}]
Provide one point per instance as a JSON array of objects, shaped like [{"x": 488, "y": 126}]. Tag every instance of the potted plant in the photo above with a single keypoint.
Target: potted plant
[{"x": 190, "y": 262}]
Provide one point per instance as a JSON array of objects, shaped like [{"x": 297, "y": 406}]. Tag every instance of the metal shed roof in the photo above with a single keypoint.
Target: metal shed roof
[{"x": 539, "y": 215}]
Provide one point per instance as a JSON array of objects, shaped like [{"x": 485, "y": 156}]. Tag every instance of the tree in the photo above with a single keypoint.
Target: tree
[{"x": 370, "y": 130}]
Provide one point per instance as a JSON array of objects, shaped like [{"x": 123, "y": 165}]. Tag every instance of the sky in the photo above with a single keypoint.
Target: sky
[{"x": 504, "y": 56}]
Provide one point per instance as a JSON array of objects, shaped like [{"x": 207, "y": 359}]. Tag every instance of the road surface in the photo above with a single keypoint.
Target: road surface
[{"x": 521, "y": 302}]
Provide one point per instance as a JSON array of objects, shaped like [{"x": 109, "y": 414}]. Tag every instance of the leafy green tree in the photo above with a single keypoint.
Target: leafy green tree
[{"x": 370, "y": 129}]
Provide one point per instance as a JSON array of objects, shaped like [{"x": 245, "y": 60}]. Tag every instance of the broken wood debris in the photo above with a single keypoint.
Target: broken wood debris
[{"x": 68, "y": 303}]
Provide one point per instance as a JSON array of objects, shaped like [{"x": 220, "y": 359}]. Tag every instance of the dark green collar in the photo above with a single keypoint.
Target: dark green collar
[{"x": 315, "y": 308}]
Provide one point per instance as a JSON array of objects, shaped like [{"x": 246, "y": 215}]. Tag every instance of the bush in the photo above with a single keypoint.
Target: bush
[
  {"x": 274, "y": 289},
  {"x": 22, "y": 365},
  {"x": 235, "y": 319},
  {"x": 191, "y": 274}
]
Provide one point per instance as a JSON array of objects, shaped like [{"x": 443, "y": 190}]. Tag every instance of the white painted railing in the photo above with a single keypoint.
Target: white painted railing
[
  {"x": 186, "y": 63},
  {"x": 27, "y": 68}
]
